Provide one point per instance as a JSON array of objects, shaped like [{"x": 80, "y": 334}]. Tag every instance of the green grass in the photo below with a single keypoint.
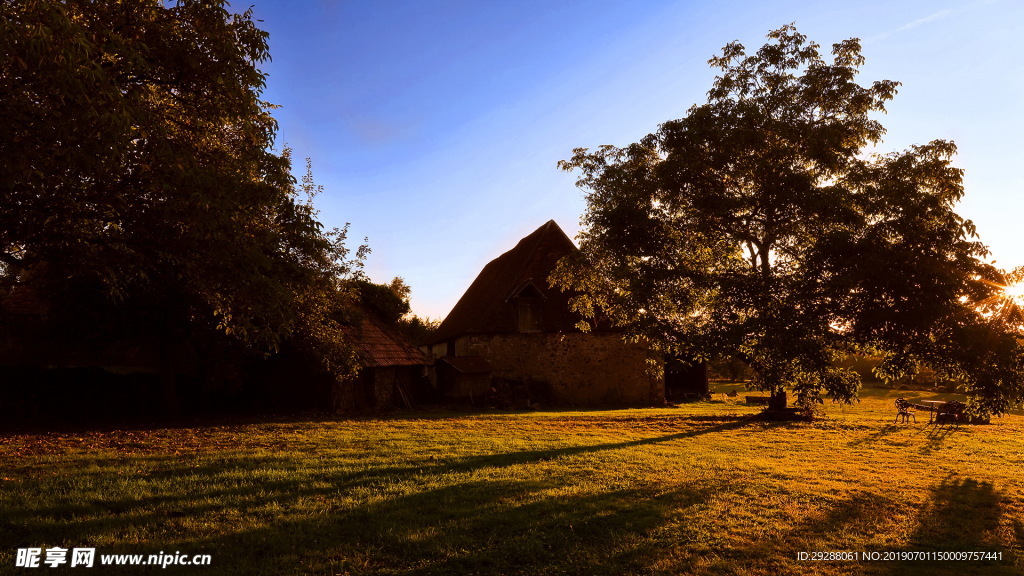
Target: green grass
[{"x": 698, "y": 489}]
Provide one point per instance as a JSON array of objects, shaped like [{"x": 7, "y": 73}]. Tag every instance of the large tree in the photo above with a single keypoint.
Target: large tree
[
  {"x": 759, "y": 226},
  {"x": 139, "y": 188}
]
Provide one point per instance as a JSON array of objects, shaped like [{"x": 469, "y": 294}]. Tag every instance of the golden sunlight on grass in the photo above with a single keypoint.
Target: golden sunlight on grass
[{"x": 699, "y": 489}]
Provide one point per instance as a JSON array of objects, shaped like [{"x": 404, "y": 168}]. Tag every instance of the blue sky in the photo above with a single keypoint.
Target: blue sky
[{"x": 435, "y": 127}]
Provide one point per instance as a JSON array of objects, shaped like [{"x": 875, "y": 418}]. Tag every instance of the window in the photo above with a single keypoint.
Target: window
[{"x": 528, "y": 314}]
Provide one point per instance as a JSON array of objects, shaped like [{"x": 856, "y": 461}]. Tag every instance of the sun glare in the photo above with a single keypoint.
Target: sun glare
[
  {"x": 1015, "y": 292},
  {"x": 1008, "y": 300}
]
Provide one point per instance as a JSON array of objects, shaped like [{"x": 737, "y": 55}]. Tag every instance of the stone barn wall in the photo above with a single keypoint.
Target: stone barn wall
[
  {"x": 375, "y": 389},
  {"x": 579, "y": 368}
]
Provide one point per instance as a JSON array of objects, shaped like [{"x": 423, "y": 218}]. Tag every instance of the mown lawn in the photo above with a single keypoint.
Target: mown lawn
[{"x": 699, "y": 489}]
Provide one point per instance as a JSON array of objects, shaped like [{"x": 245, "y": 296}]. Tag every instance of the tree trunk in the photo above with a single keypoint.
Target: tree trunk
[
  {"x": 167, "y": 375},
  {"x": 777, "y": 402}
]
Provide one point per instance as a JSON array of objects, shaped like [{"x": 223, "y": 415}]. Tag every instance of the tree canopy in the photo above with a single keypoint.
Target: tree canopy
[
  {"x": 391, "y": 303},
  {"x": 139, "y": 175},
  {"x": 760, "y": 226}
]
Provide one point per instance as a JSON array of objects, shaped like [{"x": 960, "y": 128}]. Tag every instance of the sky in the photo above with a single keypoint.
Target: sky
[{"x": 435, "y": 126}]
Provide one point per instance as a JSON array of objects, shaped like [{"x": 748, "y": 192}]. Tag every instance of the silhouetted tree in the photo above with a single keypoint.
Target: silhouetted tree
[
  {"x": 759, "y": 227},
  {"x": 138, "y": 176},
  {"x": 390, "y": 302}
]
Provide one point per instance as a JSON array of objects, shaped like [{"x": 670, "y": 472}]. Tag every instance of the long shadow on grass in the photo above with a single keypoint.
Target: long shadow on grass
[
  {"x": 933, "y": 434},
  {"x": 843, "y": 526},
  {"x": 882, "y": 433},
  {"x": 936, "y": 435},
  {"x": 470, "y": 463},
  {"x": 236, "y": 482},
  {"x": 961, "y": 515},
  {"x": 500, "y": 527},
  {"x": 156, "y": 467}
]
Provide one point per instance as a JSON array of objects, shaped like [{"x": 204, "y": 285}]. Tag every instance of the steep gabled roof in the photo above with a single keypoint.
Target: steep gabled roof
[{"x": 487, "y": 307}]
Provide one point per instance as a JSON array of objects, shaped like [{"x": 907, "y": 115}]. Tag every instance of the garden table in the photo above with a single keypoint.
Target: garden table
[{"x": 932, "y": 406}]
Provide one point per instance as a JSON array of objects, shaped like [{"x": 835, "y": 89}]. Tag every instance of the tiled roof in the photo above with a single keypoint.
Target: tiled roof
[
  {"x": 485, "y": 308},
  {"x": 379, "y": 345}
]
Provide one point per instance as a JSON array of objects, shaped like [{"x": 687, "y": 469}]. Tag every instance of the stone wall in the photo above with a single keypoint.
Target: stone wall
[
  {"x": 595, "y": 369},
  {"x": 375, "y": 389},
  {"x": 372, "y": 389},
  {"x": 383, "y": 388}
]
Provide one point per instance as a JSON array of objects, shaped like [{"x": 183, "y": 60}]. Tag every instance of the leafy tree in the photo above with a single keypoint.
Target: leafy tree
[
  {"x": 390, "y": 302},
  {"x": 139, "y": 176},
  {"x": 758, "y": 226},
  {"x": 413, "y": 327},
  {"x": 326, "y": 299},
  {"x": 418, "y": 330}
]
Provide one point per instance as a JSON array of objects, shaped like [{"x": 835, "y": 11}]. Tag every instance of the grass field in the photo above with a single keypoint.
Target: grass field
[{"x": 698, "y": 489}]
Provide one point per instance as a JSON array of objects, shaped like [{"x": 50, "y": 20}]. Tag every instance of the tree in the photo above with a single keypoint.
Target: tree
[
  {"x": 758, "y": 227},
  {"x": 139, "y": 176},
  {"x": 390, "y": 302}
]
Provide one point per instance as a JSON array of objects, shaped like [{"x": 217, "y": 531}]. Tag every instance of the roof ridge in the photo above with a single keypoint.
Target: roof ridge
[
  {"x": 525, "y": 264},
  {"x": 479, "y": 308}
]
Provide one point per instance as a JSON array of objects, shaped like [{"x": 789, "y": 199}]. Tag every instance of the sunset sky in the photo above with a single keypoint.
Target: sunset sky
[{"x": 435, "y": 126}]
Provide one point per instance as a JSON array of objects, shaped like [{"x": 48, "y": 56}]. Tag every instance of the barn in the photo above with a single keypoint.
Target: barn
[{"x": 513, "y": 321}]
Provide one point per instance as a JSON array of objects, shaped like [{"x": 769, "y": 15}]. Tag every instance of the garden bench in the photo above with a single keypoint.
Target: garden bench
[{"x": 904, "y": 410}]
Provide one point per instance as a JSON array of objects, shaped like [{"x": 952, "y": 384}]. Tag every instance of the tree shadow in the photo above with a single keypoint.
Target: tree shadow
[
  {"x": 473, "y": 527},
  {"x": 961, "y": 515},
  {"x": 842, "y": 526},
  {"x": 962, "y": 512},
  {"x": 451, "y": 529},
  {"x": 469, "y": 514},
  {"x": 482, "y": 527},
  {"x": 149, "y": 423},
  {"x": 528, "y": 456}
]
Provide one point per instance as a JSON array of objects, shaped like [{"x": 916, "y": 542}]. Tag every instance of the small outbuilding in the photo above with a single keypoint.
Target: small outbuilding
[{"x": 392, "y": 370}]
